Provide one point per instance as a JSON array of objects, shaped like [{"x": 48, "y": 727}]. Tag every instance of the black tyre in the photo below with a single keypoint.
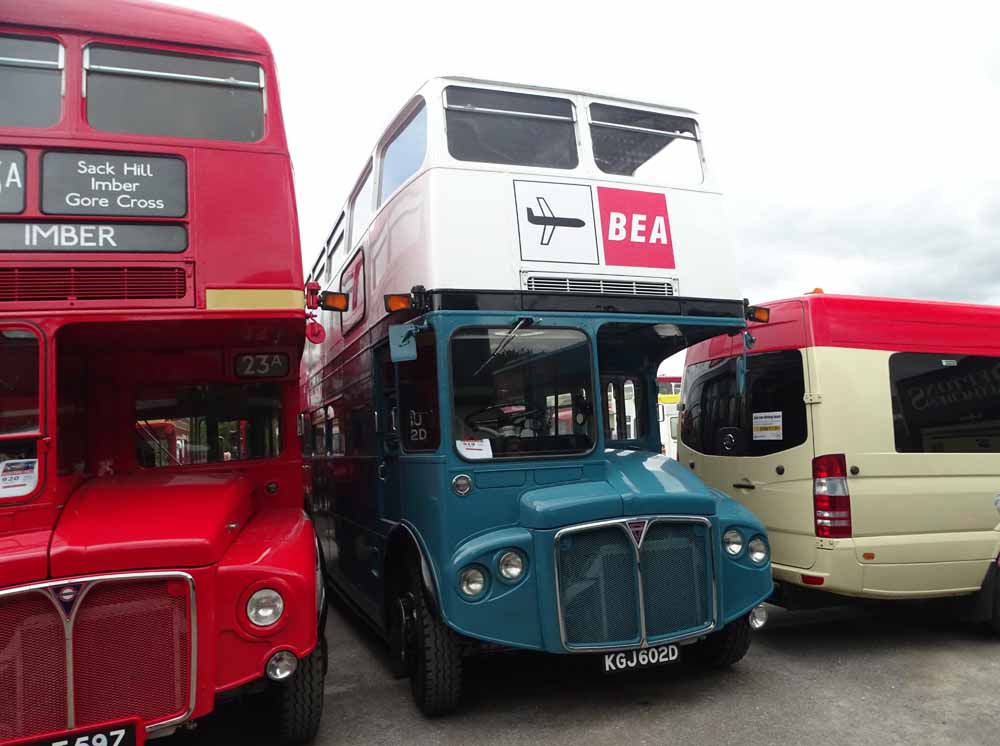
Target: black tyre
[
  {"x": 436, "y": 659},
  {"x": 298, "y": 702},
  {"x": 995, "y": 616},
  {"x": 400, "y": 635},
  {"x": 726, "y": 647}
]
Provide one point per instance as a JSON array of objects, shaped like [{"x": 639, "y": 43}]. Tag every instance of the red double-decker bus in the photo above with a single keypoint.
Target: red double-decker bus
[{"x": 154, "y": 553}]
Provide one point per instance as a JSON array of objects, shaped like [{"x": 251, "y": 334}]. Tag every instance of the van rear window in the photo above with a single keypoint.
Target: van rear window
[
  {"x": 945, "y": 403},
  {"x": 772, "y": 413}
]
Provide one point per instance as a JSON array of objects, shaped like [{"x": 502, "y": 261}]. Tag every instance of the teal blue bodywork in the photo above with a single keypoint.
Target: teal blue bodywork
[{"x": 523, "y": 503}]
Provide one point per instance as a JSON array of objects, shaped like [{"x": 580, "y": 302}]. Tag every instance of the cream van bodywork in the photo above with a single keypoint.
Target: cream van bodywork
[{"x": 923, "y": 524}]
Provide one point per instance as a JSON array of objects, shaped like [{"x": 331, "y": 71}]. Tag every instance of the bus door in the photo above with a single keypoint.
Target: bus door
[{"x": 386, "y": 488}]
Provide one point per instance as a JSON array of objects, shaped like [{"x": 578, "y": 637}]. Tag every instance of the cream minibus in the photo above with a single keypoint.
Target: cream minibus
[{"x": 867, "y": 438}]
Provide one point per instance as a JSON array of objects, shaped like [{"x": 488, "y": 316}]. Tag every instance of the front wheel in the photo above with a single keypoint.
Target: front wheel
[
  {"x": 726, "y": 647},
  {"x": 436, "y": 660},
  {"x": 298, "y": 702}
]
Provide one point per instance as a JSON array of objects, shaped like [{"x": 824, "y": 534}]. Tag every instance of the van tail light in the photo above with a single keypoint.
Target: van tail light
[{"x": 831, "y": 497}]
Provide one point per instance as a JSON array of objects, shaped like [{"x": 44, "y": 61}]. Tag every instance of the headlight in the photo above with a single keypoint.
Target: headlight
[
  {"x": 732, "y": 540},
  {"x": 511, "y": 566},
  {"x": 265, "y": 607},
  {"x": 757, "y": 549},
  {"x": 472, "y": 582}
]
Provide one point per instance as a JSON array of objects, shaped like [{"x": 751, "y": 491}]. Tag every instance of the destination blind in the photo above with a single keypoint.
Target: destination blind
[
  {"x": 94, "y": 237},
  {"x": 11, "y": 181},
  {"x": 123, "y": 185}
]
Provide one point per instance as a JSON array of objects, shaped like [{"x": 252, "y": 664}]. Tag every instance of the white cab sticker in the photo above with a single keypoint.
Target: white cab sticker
[
  {"x": 767, "y": 426},
  {"x": 475, "y": 450},
  {"x": 18, "y": 477},
  {"x": 555, "y": 222}
]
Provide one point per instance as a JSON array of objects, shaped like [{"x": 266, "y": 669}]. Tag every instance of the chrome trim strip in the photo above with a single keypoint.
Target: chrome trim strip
[
  {"x": 646, "y": 130},
  {"x": 227, "y": 82},
  {"x": 504, "y": 112},
  {"x": 623, "y": 524},
  {"x": 22, "y": 62},
  {"x": 87, "y": 583}
]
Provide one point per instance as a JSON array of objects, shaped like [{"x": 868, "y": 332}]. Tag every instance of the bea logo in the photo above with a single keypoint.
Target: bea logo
[{"x": 636, "y": 228}]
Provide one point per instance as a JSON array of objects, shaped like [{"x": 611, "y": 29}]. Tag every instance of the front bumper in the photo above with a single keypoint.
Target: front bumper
[{"x": 529, "y": 614}]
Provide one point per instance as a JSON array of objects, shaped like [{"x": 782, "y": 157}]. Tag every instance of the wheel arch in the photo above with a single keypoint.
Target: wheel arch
[{"x": 403, "y": 549}]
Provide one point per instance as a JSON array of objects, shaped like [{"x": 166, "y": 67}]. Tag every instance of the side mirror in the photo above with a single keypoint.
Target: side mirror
[
  {"x": 673, "y": 427},
  {"x": 402, "y": 343}
]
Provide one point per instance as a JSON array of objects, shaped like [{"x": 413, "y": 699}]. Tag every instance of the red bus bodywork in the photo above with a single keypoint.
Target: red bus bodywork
[{"x": 152, "y": 567}]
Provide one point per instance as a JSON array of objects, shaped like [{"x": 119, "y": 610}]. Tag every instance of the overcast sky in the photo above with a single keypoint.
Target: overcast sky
[{"x": 858, "y": 144}]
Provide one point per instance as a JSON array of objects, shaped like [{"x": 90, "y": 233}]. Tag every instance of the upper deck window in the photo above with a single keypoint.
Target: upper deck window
[
  {"x": 515, "y": 129},
  {"x": 143, "y": 92},
  {"x": 362, "y": 208},
  {"x": 404, "y": 154},
  {"x": 31, "y": 81},
  {"x": 644, "y": 144}
]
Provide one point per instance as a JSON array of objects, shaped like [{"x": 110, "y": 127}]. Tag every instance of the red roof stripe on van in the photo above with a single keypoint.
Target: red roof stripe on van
[{"x": 866, "y": 323}]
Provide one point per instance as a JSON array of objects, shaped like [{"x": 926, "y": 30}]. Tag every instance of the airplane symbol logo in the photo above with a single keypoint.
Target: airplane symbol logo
[{"x": 549, "y": 221}]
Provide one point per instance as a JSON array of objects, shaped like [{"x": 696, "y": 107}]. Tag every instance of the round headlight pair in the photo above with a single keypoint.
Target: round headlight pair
[
  {"x": 265, "y": 608},
  {"x": 732, "y": 540},
  {"x": 511, "y": 566},
  {"x": 472, "y": 581}
]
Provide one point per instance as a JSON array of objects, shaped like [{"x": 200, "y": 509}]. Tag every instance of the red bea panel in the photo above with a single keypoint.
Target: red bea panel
[{"x": 636, "y": 228}]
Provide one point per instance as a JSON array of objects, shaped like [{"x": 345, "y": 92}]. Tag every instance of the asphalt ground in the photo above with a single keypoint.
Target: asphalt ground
[{"x": 880, "y": 674}]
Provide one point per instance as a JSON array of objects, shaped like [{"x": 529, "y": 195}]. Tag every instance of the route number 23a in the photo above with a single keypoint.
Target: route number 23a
[{"x": 262, "y": 365}]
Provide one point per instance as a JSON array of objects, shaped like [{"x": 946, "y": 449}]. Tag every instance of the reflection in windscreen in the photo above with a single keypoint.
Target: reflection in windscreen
[
  {"x": 207, "y": 424},
  {"x": 522, "y": 391}
]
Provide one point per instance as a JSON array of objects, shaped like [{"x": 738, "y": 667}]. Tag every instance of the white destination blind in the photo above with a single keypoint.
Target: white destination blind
[
  {"x": 102, "y": 184},
  {"x": 96, "y": 237},
  {"x": 11, "y": 181}
]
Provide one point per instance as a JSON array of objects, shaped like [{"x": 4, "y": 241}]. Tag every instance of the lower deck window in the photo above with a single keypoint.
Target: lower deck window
[
  {"x": 520, "y": 391},
  {"x": 945, "y": 403},
  {"x": 207, "y": 424}
]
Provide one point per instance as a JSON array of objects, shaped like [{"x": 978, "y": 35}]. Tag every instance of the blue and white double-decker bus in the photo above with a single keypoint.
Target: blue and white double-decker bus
[{"x": 481, "y": 423}]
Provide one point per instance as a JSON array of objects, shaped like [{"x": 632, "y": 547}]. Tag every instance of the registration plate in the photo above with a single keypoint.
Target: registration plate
[
  {"x": 118, "y": 734},
  {"x": 645, "y": 658}
]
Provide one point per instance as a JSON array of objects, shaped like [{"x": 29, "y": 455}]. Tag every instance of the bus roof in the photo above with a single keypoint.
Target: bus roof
[
  {"x": 545, "y": 89},
  {"x": 862, "y": 322},
  {"x": 136, "y": 19}
]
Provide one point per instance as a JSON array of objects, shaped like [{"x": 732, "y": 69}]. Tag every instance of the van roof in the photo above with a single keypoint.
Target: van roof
[
  {"x": 135, "y": 19},
  {"x": 862, "y": 322}
]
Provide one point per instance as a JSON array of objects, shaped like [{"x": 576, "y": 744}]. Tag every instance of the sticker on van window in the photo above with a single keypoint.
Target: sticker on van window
[
  {"x": 767, "y": 426},
  {"x": 18, "y": 477},
  {"x": 475, "y": 449}
]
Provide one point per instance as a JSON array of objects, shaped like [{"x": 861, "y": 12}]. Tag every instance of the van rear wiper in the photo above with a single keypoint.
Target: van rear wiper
[{"x": 508, "y": 338}]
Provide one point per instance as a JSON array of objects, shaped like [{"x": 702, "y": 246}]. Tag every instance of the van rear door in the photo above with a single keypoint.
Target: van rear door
[{"x": 769, "y": 467}]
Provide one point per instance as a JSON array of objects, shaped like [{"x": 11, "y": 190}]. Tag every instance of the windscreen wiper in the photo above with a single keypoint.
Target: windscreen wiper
[{"x": 508, "y": 338}]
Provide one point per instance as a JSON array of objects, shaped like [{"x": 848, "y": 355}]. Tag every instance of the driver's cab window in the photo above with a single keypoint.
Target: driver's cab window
[
  {"x": 20, "y": 412},
  {"x": 624, "y": 414},
  {"x": 418, "y": 415},
  {"x": 521, "y": 390}
]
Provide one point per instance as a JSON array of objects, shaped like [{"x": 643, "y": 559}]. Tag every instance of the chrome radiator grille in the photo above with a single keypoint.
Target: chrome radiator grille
[
  {"x": 92, "y": 650},
  {"x": 633, "y": 581}
]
